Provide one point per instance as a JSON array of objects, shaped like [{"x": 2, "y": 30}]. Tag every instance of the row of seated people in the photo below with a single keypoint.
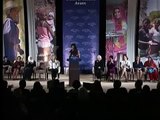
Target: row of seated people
[
  {"x": 27, "y": 69},
  {"x": 125, "y": 70}
]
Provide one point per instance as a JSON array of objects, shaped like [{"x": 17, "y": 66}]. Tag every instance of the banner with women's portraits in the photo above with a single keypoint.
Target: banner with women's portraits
[
  {"x": 149, "y": 30},
  {"x": 45, "y": 17},
  {"x": 116, "y": 27},
  {"x": 13, "y": 29},
  {"x": 81, "y": 26}
]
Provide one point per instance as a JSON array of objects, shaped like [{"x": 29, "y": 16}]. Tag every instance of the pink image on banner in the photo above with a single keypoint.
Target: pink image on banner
[
  {"x": 45, "y": 28},
  {"x": 116, "y": 29}
]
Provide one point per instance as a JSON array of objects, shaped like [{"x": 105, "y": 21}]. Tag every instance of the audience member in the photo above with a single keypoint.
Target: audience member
[
  {"x": 138, "y": 88},
  {"x": 22, "y": 96},
  {"x": 77, "y": 102}
]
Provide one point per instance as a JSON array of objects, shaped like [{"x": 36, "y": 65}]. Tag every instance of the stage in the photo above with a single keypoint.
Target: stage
[{"x": 83, "y": 78}]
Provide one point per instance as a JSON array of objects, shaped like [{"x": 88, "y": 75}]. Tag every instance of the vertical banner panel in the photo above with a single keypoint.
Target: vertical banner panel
[
  {"x": 13, "y": 29},
  {"x": 116, "y": 27},
  {"x": 45, "y": 28},
  {"x": 81, "y": 26},
  {"x": 148, "y": 32}
]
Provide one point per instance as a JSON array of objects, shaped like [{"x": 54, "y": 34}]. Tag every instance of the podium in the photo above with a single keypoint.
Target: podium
[{"x": 74, "y": 69}]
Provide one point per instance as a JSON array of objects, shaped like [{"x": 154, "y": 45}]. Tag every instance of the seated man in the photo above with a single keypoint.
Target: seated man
[
  {"x": 54, "y": 67},
  {"x": 98, "y": 67}
]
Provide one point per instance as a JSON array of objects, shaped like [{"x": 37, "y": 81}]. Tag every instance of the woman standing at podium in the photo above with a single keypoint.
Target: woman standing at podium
[
  {"x": 74, "y": 70},
  {"x": 74, "y": 52}
]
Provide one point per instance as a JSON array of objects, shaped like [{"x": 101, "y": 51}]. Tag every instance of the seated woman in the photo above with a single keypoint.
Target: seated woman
[
  {"x": 28, "y": 70},
  {"x": 54, "y": 67},
  {"x": 125, "y": 67},
  {"x": 98, "y": 67},
  {"x": 138, "y": 67},
  {"x": 111, "y": 67},
  {"x": 151, "y": 69},
  {"x": 18, "y": 63}
]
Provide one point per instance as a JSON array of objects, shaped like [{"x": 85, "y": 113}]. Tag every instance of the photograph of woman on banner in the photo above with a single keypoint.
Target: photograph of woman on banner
[
  {"x": 11, "y": 30},
  {"x": 43, "y": 33},
  {"x": 116, "y": 43}
]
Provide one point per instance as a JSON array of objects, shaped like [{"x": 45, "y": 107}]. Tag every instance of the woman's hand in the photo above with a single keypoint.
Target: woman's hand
[{"x": 150, "y": 42}]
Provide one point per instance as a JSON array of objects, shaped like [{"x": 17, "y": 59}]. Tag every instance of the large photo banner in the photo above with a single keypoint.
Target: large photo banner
[
  {"x": 149, "y": 30},
  {"x": 13, "y": 29},
  {"x": 116, "y": 27},
  {"x": 45, "y": 28},
  {"x": 81, "y": 26}
]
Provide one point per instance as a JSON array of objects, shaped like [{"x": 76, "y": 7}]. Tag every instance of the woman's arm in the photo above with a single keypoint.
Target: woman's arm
[
  {"x": 121, "y": 64},
  {"x": 154, "y": 65},
  {"x": 49, "y": 28},
  {"x": 128, "y": 64},
  {"x": 143, "y": 42},
  {"x": 141, "y": 65},
  {"x": 78, "y": 54}
]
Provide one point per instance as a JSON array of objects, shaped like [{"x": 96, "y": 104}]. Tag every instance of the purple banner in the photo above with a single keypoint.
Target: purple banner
[{"x": 81, "y": 26}]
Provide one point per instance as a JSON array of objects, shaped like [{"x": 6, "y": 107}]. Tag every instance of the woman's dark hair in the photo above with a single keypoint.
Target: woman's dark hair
[
  {"x": 75, "y": 51},
  {"x": 115, "y": 10},
  {"x": 111, "y": 56},
  {"x": 74, "y": 45},
  {"x": 136, "y": 58},
  {"x": 124, "y": 55}
]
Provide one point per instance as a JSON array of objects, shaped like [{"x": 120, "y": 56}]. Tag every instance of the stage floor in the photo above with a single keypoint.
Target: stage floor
[{"x": 83, "y": 78}]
